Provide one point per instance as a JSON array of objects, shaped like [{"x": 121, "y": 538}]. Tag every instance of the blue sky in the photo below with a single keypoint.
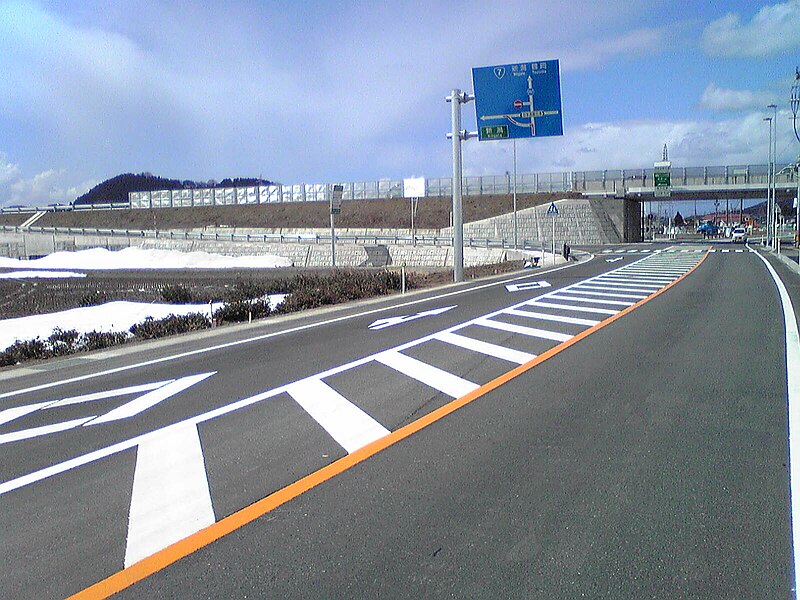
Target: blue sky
[{"x": 319, "y": 91}]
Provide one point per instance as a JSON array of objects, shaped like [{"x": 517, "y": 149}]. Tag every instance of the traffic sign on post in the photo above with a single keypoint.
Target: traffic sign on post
[
  {"x": 524, "y": 97},
  {"x": 552, "y": 211}
]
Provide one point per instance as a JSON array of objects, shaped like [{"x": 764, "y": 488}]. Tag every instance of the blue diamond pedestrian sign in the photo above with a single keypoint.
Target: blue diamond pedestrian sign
[
  {"x": 552, "y": 211},
  {"x": 524, "y": 97}
]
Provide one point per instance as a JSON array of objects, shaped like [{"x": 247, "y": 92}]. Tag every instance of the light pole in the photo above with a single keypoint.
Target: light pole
[
  {"x": 774, "y": 108},
  {"x": 795, "y": 104},
  {"x": 769, "y": 185}
]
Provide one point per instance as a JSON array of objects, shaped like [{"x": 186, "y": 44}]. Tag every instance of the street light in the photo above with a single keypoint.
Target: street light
[
  {"x": 774, "y": 108},
  {"x": 795, "y": 104},
  {"x": 769, "y": 185}
]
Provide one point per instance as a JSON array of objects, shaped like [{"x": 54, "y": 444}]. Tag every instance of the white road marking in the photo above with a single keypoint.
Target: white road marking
[
  {"x": 134, "y": 389},
  {"x": 532, "y": 285},
  {"x": 792, "y": 336},
  {"x": 529, "y": 331},
  {"x": 392, "y": 321},
  {"x": 9, "y": 414},
  {"x": 171, "y": 498},
  {"x": 605, "y": 294},
  {"x": 608, "y": 288},
  {"x": 501, "y": 352},
  {"x": 142, "y": 403},
  {"x": 572, "y": 307},
  {"x": 26, "y": 434},
  {"x": 346, "y": 423},
  {"x": 593, "y": 300},
  {"x": 530, "y": 314},
  {"x": 445, "y": 382}
]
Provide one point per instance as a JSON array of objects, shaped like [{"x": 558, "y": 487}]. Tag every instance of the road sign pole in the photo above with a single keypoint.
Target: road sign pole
[
  {"x": 515, "y": 191},
  {"x": 456, "y": 99},
  {"x": 458, "y": 226},
  {"x": 554, "y": 239},
  {"x": 333, "y": 243}
]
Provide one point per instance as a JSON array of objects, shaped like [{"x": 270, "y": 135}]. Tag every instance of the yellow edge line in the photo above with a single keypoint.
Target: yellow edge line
[{"x": 171, "y": 554}]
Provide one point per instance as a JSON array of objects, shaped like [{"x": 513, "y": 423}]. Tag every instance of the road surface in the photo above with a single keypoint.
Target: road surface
[{"x": 616, "y": 428}]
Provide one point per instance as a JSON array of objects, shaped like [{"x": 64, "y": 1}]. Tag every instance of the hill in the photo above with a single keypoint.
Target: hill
[{"x": 116, "y": 189}]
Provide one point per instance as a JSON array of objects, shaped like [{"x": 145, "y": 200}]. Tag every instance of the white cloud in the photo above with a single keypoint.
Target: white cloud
[
  {"x": 720, "y": 99},
  {"x": 8, "y": 171},
  {"x": 48, "y": 187},
  {"x": 773, "y": 30},
  {"x": 637, "y": 144}
]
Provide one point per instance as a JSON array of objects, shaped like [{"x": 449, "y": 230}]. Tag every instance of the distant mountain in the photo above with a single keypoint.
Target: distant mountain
[{"x": 116, "y": 189}]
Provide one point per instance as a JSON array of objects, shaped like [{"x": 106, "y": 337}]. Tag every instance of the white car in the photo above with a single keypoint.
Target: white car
[{"x": 739, "y": 234}]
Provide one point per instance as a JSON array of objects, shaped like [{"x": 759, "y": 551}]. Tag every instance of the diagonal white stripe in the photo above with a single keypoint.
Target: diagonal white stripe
[
  {"x": 346, "y": 423},
  {"x": 438, "y": 379},
  {"x": 171, "y": 498}
]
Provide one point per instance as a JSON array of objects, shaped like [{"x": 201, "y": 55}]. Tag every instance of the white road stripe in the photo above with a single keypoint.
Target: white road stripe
[
  {"x": 792, "y": 336},
  {"x": 171, "y": 499},
  {"x": 445, "y": 382},
  {"x": 346, "y": 423},
  {"x": 572, "y": 307},
  {"x": 529, "y": 331},
  {"x": 628, "y": 282},
  {"x": 137, "y": 405},
  {"x": 642, "y": 293},
  {"x": 623, "y": 283},
  {"x": 592, "y": 300},
  {"x": 134, "y": 389},
  {"x": 486, "y": 348},
  {"x": 9, "y": 414},
  {"x": 26, "y": 434},
  {"x": 545, "y": 317},
  {"x": 605, "y": 294}
]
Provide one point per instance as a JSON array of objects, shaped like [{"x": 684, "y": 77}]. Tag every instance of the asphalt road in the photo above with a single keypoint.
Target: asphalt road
[{"x": 642, "y": 456}]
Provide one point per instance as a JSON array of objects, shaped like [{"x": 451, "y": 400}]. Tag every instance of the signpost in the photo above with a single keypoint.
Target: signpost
[{"x": 336, "y": 192}]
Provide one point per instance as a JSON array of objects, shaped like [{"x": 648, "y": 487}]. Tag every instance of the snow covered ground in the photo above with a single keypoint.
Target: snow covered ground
[
  {"x": 115, "y": 316},
  {"x": 95, "y": 259}
]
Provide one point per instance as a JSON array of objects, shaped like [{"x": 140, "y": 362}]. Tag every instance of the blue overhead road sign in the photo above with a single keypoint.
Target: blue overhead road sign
[{"x": 518, "y": 101}]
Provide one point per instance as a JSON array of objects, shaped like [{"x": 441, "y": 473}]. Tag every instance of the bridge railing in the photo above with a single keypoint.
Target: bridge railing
[{"x": 611, "y": 180}]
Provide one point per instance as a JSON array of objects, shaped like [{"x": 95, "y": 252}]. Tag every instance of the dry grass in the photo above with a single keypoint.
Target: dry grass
[{"x": 432, "y": 213}]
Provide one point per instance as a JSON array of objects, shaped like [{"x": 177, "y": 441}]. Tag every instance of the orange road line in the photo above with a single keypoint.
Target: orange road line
[{"x": 171, "y": 554}]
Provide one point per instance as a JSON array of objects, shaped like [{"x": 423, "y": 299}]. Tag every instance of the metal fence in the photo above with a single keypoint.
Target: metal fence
[{"x": 571, "y": 181}]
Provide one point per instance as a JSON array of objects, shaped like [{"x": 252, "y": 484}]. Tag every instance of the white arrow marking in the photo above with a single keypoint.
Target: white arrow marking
[
  {"x": 391, "y": 321},
  {"x": 530, "y": 285},
  {"x": 613, "y": 259},
  {"x": 157, "y": 392}
]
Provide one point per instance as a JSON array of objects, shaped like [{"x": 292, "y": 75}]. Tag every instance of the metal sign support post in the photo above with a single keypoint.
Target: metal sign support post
[
  {"x": 456, "y": 99},
  {"x": 554, "y": 240},
  {"x": 515, "y": 190},
  {"x": 333, "y": 243},
  {"x": 335, "y": 194}
]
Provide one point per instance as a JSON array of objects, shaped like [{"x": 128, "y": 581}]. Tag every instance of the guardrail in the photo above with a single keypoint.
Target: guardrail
[{"x": 282, "y": 238}]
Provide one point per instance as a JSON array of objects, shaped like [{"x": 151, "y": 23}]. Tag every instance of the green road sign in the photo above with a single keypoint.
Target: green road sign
[
  {"x": 662, "y": 179},
  {"x": 494, "y": 132}
]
